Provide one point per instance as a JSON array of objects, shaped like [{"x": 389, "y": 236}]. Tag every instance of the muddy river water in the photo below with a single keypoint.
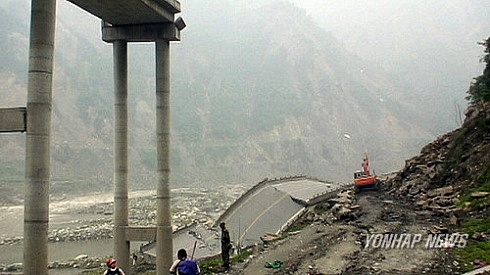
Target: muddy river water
[
  {"x": 11, "y": 225},
  {"x": 61, "y": 216}
]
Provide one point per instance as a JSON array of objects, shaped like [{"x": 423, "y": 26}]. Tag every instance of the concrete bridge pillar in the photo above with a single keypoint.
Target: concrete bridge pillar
[
  {"x": 38, "y": 122},
  {"x": 121, "y": 220},
  {"x": 164, "y": 228},
  {"x": 37, "y": 159}
]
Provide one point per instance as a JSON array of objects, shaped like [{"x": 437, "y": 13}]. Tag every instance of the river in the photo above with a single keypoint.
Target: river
[{"x": 61, "y": 216}]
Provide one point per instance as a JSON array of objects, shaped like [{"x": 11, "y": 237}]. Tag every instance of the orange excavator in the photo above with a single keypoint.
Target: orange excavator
[{"x": 363, "y": 179}]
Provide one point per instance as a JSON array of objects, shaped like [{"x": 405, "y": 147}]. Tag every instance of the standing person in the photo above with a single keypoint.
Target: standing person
[
  {"x": 225, "y": 245},
  {"x": 112, "y": 268},
  {"x": 183, "y": 265}
]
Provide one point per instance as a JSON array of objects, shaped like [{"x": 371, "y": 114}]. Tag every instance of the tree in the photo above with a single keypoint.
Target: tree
[{"x": 480, "y": 88}]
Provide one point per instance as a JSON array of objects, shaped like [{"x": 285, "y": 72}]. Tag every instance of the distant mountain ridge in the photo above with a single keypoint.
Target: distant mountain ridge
[{"x": 256, "y": 93}]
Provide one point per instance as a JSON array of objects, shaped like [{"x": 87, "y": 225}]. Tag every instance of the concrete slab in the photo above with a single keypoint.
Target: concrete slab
[
  {"x": 304, "y": 189},
  {"x": 131, "y": 12},
  {"x": 270, "y": 206},
  {"x": 13, "y": 119},
  {"x": 479, "y": 271}
]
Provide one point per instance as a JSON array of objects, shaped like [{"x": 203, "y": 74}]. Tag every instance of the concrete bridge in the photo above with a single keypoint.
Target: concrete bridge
[
  {"x": 270, "y": 207},
  {"x": 122, "y": 22}
]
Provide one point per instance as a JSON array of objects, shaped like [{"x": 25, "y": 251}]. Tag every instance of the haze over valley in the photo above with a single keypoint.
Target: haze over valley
[{"x": 260, "y": 89}]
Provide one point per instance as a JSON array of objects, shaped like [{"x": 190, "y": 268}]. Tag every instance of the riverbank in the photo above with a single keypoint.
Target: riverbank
[{"x": 82, "y": 225}]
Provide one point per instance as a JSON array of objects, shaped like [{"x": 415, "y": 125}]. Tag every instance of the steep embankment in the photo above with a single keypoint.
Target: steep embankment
[
  {"x": 451, "y": 178},
  {"x": 339, "y": 240},
  {"x": 444, "y": 190}
]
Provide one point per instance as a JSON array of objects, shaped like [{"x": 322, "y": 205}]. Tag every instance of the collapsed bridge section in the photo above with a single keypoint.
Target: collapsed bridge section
[{"x": 271, "y": 206}]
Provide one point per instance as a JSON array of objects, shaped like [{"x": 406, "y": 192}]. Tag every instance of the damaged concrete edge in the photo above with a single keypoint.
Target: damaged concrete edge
[{"x": 479, "y": 271}]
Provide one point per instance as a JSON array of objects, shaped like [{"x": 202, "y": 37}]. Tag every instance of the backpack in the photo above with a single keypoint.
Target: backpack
[
  {"x": 113, "y": 271},
  {"x": 188, "y": 267}
]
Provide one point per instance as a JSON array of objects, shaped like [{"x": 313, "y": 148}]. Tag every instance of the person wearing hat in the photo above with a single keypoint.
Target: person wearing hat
[
  {"x": 112, "y": 269},
  {"x": 225, "y": 245}
]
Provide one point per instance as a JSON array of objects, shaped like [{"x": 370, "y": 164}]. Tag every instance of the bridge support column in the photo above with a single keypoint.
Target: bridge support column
[
  {"x": 121, "y": 245},
  {"x": 39, "y": 101},
  {"x": 164, "y": 228}
]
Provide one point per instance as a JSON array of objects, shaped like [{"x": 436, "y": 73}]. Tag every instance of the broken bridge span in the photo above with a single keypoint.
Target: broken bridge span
[{"x": 269, "y": 207}]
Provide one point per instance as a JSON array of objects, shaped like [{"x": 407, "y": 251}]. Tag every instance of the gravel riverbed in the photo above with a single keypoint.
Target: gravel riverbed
[{"x": 84, "y": 223}]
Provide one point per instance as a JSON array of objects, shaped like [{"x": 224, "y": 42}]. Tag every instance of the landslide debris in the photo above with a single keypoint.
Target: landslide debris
[
  {"x": 451, "y": 179},
  {"x": 445, "y": 189}
]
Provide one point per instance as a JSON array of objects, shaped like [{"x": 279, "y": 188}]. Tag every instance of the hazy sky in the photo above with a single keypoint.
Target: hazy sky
[
  {"x": 431, "y": 39},
  {"x": 413, "y": 19},
  {"x": 435, "y": 39}
]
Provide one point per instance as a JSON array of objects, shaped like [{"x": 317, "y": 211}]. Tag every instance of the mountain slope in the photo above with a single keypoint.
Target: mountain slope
[
  {"x": 256, "y": 92},
  {"x": 291, "y": 82},
  {"x": 429, "y": 47}
]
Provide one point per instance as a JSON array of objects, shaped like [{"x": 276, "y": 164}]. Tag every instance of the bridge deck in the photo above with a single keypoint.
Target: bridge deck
[
  {"x": 268, "y": 207},
  {"x": 131, "y": 12}
]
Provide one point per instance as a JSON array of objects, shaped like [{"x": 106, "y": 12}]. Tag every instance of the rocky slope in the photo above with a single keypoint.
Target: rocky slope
[
  {"x": 342, "y": 244},
  {"x": 449, "y": 166},
  {"x": 443, "y": 190},
  {"x": 451, "y": 179}
]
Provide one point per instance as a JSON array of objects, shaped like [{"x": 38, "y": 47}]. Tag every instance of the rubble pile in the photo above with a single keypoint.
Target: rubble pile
[
  {"x": 80, "y": 262},
  {"x": 447, "y": 167},
  {"x": 419, "y": 181},
  {"x": 85, "y": 232},
  {"x": 343, "y": 206},
  {"x": 450, "y": 178}
]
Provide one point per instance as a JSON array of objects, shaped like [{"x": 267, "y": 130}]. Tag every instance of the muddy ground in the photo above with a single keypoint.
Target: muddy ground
[{"x": 330, "y": 246}]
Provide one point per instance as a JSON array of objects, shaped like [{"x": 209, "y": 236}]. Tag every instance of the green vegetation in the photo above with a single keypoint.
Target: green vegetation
[
  {"x": 480, "y": 88},
  {"x": 207, "y": 266},
  {"x": 11, "y": 172},
  {"x": 475, "y": 249},
  {"x": 72, "y": 186},
  {"x": 483, "y": 185},
  {"x": 462, "y": 147},
  {"x": 478, "y": 222},
  {"x": 242, "y": 257},
  {"x": 477, "y": 225},
  {"x": 213, "y": 265}
]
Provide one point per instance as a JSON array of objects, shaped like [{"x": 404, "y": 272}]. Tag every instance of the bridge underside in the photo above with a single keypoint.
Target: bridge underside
[{"x": 131, "y": 12}]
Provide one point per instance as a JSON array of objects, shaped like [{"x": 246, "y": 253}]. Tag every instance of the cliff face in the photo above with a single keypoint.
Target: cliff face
[{"x": 281, "y": 98}]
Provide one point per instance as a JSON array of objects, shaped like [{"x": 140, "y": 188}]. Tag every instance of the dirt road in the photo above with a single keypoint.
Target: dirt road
[{"x": 349, "y": 246}]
